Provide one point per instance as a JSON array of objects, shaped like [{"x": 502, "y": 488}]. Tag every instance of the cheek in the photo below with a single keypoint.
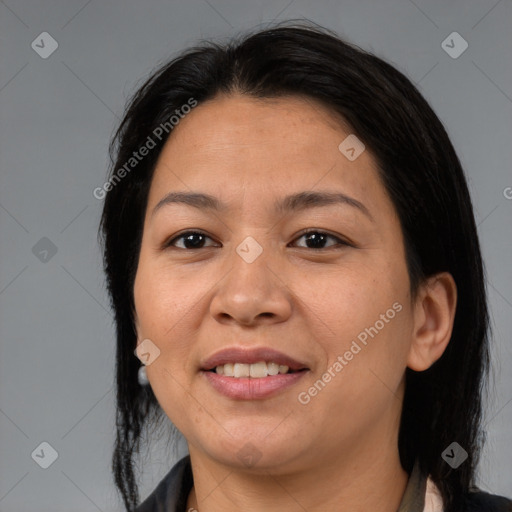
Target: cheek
[
  {"x": 158, "y": 313},
  {"x": 163, "y": 308},
  {"x": 161, "y": 301},
  {"x": 366, "y": 319},
  {"x": 353, "y": 300},
  {"x": 361, "y": 381}
]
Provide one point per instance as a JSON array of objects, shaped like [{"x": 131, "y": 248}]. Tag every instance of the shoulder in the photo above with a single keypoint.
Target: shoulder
[
  {"x": 171, "y": 493},
  {"x": 475, "y": 501},
  {"x": 479, "y": 501}
]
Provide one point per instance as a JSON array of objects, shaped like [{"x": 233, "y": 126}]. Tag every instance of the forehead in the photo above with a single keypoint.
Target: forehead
[
  {"x": 236, "y": 119},
  {"x": 276, "y": 145}
]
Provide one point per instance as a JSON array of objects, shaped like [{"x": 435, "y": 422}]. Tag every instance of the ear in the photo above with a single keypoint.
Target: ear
[{"x": 434, "y": 313}]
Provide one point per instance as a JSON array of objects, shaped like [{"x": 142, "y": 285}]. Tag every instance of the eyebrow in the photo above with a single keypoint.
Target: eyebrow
[{"x": 292, "y": 203}]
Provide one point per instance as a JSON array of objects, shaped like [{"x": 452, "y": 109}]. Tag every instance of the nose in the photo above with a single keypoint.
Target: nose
[{"x": 252, "y": 293}]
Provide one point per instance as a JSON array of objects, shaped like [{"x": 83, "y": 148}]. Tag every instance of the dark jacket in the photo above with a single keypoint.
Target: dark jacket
[{"x": 172, "y": 492}]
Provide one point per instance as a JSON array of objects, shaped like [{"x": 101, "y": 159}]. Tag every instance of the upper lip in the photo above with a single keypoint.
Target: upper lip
[{"x": 249, "y": 356}]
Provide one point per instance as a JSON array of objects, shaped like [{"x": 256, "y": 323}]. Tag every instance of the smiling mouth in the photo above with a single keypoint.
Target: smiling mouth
[
  {"x": 257, "y": 370},
  {"x": 255, "y": 381}
]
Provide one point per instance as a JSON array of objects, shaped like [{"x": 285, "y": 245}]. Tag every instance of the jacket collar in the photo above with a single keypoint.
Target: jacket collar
[{"x": 172, "y": 492}]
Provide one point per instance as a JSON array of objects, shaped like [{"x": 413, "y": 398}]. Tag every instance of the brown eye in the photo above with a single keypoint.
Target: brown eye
[
  {"x": 314, "y": 239},
  {"x": 317, "y": 239},
  {"x": 191, "y": 240}
]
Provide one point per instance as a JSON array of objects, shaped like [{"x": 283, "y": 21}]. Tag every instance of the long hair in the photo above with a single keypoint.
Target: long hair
[{"x": 421, "y": 173}]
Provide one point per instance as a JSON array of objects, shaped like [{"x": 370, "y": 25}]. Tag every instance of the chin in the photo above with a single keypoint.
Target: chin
[{"x": 254, "y": 453}]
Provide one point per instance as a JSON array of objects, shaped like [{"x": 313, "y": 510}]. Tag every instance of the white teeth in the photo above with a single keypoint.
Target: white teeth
[
  {"x": 241, "y": 370},
  {"x": 273, "y": 368},
  {"x": 258, "y": 370},
  {"x": 255, "y": 370}
]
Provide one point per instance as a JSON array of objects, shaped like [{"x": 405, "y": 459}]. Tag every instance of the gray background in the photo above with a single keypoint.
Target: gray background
[{"x": 57, "y": 351}]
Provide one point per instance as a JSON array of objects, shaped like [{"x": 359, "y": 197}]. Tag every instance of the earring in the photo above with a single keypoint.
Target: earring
[{"x": 142, "y": 376}]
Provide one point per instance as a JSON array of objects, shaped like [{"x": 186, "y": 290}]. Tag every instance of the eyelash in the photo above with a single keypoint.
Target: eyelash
[{"x": 341, "y": 242}]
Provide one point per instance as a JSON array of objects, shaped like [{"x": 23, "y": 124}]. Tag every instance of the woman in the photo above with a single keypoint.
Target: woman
[{"x": 291, "y": 253}]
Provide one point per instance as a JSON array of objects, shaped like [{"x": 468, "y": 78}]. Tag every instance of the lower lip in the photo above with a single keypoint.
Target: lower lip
[{"x": 245, "y": 388}]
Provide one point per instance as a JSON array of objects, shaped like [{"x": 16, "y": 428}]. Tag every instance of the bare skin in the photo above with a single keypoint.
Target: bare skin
[{"x": 338, "y": 450}]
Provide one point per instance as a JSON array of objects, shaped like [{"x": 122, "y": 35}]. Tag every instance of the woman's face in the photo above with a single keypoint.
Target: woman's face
[{"x": 336, "y": 301}]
